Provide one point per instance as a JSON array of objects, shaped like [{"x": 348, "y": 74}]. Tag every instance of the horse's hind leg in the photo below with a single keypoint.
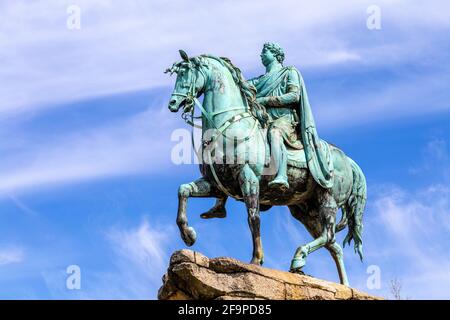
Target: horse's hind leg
[
  {"x": 338, "y": 257},
  {"x": 325, "y": 219},
  {"x": 314, "y": 227},
  {"x": 198, "y": 188},
  {"x": 250, "y": 190}
]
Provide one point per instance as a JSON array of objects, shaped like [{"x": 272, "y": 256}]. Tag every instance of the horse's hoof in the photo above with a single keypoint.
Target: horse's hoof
[
  {"x": 258, "y": 262},
  {"x": 189, "y": 236},
  {"x": 297, "y": 271},
  {"x": 297, "y": 265},
  {"x": 214, "y": 213}
]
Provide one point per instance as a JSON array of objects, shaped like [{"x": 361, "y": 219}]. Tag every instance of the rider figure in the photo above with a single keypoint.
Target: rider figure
[{"x": 279, "y": 91}]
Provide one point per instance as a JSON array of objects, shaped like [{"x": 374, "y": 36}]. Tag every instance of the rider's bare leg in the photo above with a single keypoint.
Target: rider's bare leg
[{"x": 279, "y": 154}]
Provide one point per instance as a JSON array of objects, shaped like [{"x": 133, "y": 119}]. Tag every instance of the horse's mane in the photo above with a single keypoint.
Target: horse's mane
[{"x": 247, "y": 89}]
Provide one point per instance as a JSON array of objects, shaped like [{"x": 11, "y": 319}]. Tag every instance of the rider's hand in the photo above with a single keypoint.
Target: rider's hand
[{"x": 261, "y": 100}]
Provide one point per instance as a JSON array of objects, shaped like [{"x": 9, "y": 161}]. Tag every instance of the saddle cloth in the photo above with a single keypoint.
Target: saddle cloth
[{"x": 295, "y": 158}]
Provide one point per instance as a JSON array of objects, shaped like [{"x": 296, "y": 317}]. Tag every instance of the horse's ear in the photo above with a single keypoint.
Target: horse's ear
[
  {"x": 184, "y": 55},
  {"x": 195, "y": 61}
]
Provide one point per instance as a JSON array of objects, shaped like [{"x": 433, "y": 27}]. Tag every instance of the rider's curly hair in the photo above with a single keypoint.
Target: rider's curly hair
[{"x": 275, "y": 48}]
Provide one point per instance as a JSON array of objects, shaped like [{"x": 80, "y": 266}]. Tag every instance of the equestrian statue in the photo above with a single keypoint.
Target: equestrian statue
[{"x": 260, "y": 146}]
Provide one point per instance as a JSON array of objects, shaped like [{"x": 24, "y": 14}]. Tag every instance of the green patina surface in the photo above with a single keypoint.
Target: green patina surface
[{"x": 290, "y": 165}]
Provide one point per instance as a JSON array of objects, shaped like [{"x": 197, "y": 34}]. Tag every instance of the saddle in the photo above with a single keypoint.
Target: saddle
[{"x": 296, "y": 158}]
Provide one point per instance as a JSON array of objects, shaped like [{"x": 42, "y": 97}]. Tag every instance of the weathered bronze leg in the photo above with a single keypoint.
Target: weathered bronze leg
[
  {"x": 299, "y": 260},
  {"x": 218, "y": 211},
  {"x": 250, "y": 191},
  {"x": 327, "y": 209},
  {"x": 338, "y": 257},
  {"x": 198, "y": 188}
]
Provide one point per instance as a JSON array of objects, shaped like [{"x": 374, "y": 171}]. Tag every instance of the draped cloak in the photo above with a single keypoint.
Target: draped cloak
[{"x": 317, "y": 151}]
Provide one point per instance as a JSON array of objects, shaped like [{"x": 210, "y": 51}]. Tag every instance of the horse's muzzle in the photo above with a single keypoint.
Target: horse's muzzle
[{"x": 173, "y": 105}]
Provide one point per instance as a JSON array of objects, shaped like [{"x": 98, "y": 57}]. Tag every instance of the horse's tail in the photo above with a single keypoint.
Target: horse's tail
[{"x": 352, "y": 211}]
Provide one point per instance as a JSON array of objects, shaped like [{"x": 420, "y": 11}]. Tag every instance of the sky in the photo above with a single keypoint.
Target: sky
[{"x": 86, "y": 176}]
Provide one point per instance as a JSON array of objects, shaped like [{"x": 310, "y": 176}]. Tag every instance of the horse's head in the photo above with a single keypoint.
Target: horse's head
[{"x": 189, "y": 84}]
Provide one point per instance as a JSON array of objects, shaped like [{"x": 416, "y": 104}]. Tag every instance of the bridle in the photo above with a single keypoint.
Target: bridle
[{"x": 191, "y": 101}]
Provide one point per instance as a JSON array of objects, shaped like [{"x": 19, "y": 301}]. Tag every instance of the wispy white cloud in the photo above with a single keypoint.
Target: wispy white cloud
[
  {"x": 140, "y": 143},
  {"x": 142, "y": 257},
  {"x": 11, "y": 254},
  {"x": 416, "y": 227},
  {"x": 124, "y": 47},
  {"x": 435, "y": 158},
  {"x": 400, "y": 99},
  {"x": 143, "y": 246},
  {"x": 22, "y": 206},
  {"x": 139, "y": 257},
  {"x": 407, "y": 230}
]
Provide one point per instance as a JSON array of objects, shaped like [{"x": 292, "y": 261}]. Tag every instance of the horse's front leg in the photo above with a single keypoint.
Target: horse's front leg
[
  {"x": 250, "y": 190},
  {"x": 198, "y": 188},
  {"x": 217, "y": 211}
]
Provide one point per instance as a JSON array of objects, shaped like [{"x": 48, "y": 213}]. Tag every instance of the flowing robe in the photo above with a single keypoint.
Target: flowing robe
[{"x": 288, "y": 106}]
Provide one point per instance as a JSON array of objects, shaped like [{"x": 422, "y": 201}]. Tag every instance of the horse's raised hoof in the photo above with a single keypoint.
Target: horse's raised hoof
[
  {"x": 189, "y": 236},
  {"x": 216, "y": 212}
]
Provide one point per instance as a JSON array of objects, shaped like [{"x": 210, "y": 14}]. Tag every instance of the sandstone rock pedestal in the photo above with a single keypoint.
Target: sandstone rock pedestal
[{"x": 192, "y": 276}]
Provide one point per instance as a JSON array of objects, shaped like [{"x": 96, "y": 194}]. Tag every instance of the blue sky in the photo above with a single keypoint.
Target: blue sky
[{"x": 86, "y": 176}]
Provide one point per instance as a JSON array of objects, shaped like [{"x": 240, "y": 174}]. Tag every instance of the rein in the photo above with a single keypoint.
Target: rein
[{"x": 189, "y": 117}]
